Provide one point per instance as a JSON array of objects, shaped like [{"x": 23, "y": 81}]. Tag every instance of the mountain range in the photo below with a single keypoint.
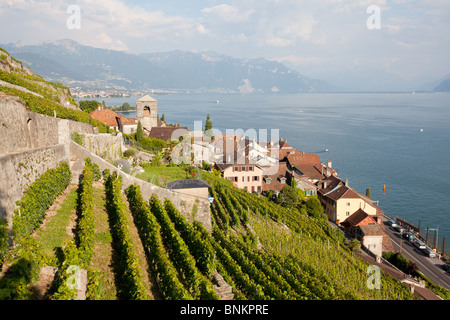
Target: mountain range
[
  {"x": 90, "y": 68},
  {"x": 82, "y": 66}
]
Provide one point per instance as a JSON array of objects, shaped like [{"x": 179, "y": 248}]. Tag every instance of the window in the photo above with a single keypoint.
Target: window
[
  {"x": 348, "y": 204},
  {"x": 259, "y": 189},
  {"x": 268, "y": 181},
  {"x": 253, "y": 188},
  {"x": 244, "y": 169},
  {"x": 250, "y": 168},
  {"x": 347, "y": 213}
]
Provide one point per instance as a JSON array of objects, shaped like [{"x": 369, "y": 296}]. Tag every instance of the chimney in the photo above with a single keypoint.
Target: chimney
[
  {"x": 324, "y": 185},
  {"x": 330, "y": 164},
  {"x": 285, "y": 140},
  {"x": 346, "y": 182}
]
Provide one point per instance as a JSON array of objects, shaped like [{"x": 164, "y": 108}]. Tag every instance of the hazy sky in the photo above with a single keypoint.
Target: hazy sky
[{"x": 318, "y": 37}]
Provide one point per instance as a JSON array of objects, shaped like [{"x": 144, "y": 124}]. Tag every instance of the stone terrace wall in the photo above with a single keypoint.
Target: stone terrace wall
[
  {"x": 183, "y": 202},
  {"x": 19, "y": 170},
  {"x": 105, "y": 145},
  {"x": 30, "y": 145},
  {"x": 21, "y": 130}
]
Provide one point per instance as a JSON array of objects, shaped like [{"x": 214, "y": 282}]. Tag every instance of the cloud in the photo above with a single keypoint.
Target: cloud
[
  {"x": 102, "y": 40},
  {"x": 228, "y": 13}
]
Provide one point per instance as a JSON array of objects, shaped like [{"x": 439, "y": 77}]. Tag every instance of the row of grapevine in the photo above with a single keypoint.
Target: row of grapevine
[
  {"x": 200, "y": 247},
  {"x": 272, "y": 284},
  {"x": 79, "y": 255},
  {"x": 194, "y": 281},
  {"x": 133, "y": 287},
  {"x": 149, "y": 231},
  {"x": 301, "y": 253},
  {"x": 85, "y": 208},
  {"x": 39, "y": 196}
]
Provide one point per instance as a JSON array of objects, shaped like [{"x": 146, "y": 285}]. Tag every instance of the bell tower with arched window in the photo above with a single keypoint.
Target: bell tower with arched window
[{"x": 146, "y": 112}]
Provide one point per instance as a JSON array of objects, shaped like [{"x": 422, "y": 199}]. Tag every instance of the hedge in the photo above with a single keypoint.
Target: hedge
[{"x": 39, "y": 196}]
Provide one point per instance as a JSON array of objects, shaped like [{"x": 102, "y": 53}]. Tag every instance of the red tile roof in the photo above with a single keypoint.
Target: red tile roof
[
  {"x": 307, "y": 163},
  {"x": 109, "y": 117},
  {"x": 275, "y": 183},
  {"x": 359, "y": 218},
  {"x": 165, "y": 133}
]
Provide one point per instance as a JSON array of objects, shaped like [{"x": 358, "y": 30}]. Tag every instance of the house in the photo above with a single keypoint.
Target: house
[
  {"x": 340, "y": 202},
  {"x": 114, "y": 120},
  {"x": 276, "y": 181},
  {"x": 374, "y": 239},
  {"x": 247, "y": 176},
  {"x": 359, "y": 218},
  {"x": 195, "y": 187},
  {"x": 305, "y": 166}
]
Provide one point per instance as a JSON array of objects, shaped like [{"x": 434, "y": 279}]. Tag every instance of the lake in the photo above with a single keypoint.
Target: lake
[{"x": 400, "y": 140}]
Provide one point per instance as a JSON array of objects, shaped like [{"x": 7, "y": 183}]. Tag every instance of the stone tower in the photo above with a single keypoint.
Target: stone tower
[{"x": 146, "y": 112}]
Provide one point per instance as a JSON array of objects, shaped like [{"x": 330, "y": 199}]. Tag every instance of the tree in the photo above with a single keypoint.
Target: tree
[
  {"x": 314, "y": 207},
  {"x": 139, "y": 132},
  {"x": 89, "y": 105},
  {"x": 368, "y": 193},
  {"x": 125, "y": 106},
  {"x": 288, "y": 197},
  {"x": 208, "y": 123},
  {"x": 163, "y": 118}
]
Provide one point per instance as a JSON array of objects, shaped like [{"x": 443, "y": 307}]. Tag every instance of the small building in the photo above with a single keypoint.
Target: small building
[
  {"x": 277, "y": 181},
  {"x": 359, "y": 218},
  {"x": 194, "y": 187},
  {"x": 114, "y": 120},
  {"x": 305, "y": 166},
  {"x": 374, "y": 239},
  {"x": 245, "y": 176},
  {"x": 340, "y": 202}
]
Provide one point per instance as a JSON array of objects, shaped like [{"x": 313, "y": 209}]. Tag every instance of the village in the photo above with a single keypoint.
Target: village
[{"x": 264, "y": 168}]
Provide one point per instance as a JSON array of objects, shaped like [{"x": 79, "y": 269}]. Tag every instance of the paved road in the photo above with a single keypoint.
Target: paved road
[{"x": 430, "y": 267}]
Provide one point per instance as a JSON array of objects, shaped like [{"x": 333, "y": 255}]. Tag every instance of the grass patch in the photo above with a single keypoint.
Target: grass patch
[
  {"x": 103, "y": 252},
  {"x": 54, "y": 235},
  {"x": 162, "y": 175}
]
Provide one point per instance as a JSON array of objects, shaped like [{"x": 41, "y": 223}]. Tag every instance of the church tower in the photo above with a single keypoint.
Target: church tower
[{"x": 146, "y": 112}]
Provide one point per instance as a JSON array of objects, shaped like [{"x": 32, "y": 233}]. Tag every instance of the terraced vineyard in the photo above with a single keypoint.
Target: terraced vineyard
[{"x": 135, "y": 248}]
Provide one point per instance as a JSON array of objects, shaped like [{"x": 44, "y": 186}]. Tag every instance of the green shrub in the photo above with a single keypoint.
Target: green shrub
[
  {"x": 129, "y": 153},
  {"x": 78, "y": 138}
]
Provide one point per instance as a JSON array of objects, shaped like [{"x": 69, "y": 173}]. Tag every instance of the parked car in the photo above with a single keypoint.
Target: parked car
[
  {"x": 419, "y": 244},
  {"x": 392, "y": 223},
  {"x": 399, "y": 229},
  {"x": 446, "y": 267},
  {"x": 408, "y": 236},
  {"x": 429, "y": 253}
]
